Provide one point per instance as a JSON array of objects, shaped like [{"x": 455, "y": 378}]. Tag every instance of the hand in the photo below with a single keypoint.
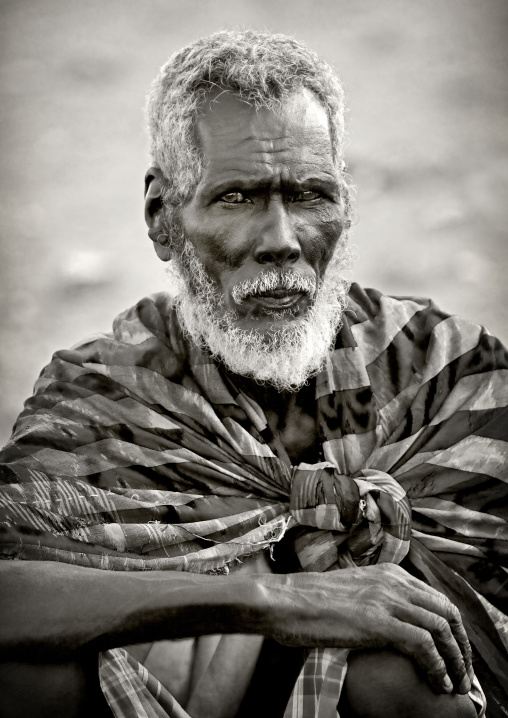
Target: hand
[{"x": 371, "y": 607}]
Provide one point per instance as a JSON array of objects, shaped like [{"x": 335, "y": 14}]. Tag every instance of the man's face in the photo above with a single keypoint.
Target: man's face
[{"x": 268, "y": 199}]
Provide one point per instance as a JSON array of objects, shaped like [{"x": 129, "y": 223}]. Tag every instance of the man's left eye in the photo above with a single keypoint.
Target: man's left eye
[
  {"x": 233, "y": 198},
  {"x": 306, "y": 196}
]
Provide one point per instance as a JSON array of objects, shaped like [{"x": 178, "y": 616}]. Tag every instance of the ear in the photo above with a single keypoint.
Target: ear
[{"x": 154, "y": 212}]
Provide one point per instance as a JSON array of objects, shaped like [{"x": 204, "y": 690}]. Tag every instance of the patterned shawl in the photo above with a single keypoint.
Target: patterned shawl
[{"x": 138, "y": 452}]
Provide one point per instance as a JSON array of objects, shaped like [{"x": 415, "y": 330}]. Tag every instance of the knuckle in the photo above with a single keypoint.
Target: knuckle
[
  {"x": 427, "y": 642},
  {"x": 439, "y": 669},
  {"x": 419, "y": 642},
  {"x": 441, "y": 626},
  {"x": 447, "y": 604},
  {"x": 384, "y": 595},
  {"x": 396, "y": 569},
  {"x": 392, "y": 569},
  {"x": 449, "y": 607},
  {"x": 455, "y": 614}
]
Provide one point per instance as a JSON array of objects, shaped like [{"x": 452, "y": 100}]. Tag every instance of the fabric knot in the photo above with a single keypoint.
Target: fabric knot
[
  {"x": 323, "y": 498},
  {"x": 363, "y": 519}
]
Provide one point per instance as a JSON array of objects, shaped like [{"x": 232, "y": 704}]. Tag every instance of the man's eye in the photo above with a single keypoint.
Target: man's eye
[
  {"x": 233, "y": 198},
  {"x": 306, "y": 196}
]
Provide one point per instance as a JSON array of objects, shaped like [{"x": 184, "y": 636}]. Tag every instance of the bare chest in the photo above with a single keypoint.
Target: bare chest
[{"x": 294, "y": 423}]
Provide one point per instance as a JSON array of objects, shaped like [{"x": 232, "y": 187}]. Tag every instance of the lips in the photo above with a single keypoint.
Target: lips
[
  {"x": 277, "y": 298},
  {"x": 278, "y": 293}
]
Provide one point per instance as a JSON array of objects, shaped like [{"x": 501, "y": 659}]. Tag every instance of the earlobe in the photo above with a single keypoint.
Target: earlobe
[{"x": 154, "y": 213}]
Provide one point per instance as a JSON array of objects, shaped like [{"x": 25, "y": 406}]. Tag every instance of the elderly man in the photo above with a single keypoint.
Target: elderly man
[{"x": 268, "y": 493}]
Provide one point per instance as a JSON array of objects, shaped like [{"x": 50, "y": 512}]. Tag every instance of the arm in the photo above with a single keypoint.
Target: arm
[{"x": 55, "y": 611}]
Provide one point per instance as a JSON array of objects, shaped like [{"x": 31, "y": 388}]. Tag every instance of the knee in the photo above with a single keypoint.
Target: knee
[
  {"x": 387, "y": 684},
  {"x": 50, "y": 690}
]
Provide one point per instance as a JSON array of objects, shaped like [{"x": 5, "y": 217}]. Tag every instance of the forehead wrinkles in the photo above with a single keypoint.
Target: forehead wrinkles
[
  {"x": 285, "y": 156},
  {"x": 305, "y": 141},
  {"x": 229, "y": 125}
]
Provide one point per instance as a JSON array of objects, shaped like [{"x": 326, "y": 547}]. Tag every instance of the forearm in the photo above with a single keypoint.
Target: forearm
[{"x": 53, "y": 611}]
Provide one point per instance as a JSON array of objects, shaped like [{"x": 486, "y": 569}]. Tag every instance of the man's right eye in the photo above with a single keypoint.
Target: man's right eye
[{"x": 233, "y": 198}]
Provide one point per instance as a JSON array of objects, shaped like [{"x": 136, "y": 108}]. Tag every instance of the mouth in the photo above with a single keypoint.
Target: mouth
[{"x": 277, "y": 298}]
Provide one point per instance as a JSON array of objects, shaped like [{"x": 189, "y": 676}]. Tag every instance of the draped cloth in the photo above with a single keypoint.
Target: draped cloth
[{"x": 139, "y": 452}]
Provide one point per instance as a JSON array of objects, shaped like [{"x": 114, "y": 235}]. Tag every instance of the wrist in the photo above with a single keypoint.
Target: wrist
[
  {"x": 197, "y": 604},
  {"x": 238, "y": 604}
]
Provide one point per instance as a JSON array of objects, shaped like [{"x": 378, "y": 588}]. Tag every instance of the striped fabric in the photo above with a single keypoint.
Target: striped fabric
[{"x": 138, "y": 452}]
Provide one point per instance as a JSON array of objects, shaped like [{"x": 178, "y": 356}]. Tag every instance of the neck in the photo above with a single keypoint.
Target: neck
[
  {"x": 268, "y": 396},
  {"x": 291, "y": 416}
]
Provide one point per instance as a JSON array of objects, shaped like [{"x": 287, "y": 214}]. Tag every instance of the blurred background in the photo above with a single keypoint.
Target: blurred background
[{"x": 427, "y": 84}]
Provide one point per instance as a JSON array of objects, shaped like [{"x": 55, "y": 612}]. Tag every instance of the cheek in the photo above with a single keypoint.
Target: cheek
[
  {"x": 224, "y": 247},
  {"x": 319, "y": 240},
  {"x": 214, "y": 251},
  {"x": 204, "y": 235}
]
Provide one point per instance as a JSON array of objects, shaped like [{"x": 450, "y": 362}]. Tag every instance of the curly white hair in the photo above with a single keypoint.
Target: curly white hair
[{"x": 261, "y": 68}]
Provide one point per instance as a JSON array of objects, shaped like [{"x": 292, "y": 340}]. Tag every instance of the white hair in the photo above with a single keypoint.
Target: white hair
[
  {"x": 264, "y": 70},
  {"x": 295, "y": 349},
  {"x": 273, "y": 279}
]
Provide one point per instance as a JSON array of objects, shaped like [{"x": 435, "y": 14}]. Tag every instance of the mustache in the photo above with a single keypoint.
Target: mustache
[{"x": 271, "y": 280}]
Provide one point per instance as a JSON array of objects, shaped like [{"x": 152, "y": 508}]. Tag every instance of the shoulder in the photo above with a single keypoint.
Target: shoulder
[
  {"x": 414, "y": 331},
  {"x": 145, "y": 335},
  {"x": 145, "y": 340},
  {"x": 372, "y": 306},
  {"x": 140, "y": 357}
]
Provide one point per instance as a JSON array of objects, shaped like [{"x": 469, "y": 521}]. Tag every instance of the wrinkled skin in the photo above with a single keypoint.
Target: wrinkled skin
[
  {"x": 268, "y": 198},
  {"x": 361, "y": 608},
  {"x": 381, "y": 606}
]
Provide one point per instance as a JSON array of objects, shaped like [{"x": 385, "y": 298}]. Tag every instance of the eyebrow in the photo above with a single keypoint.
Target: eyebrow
[{"x": 253, "y": 184}]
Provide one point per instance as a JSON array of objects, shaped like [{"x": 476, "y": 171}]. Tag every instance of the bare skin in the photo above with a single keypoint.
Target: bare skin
[
  {"x": 56, "y": 613},
  {"x": 291, "y": 417},
  {"x": 385, "y": 684},
  {"x": 268, "y": 197}
]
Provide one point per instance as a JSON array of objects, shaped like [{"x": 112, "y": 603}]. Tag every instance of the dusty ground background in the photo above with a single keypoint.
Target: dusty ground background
[{"x": 427, "y": 82}]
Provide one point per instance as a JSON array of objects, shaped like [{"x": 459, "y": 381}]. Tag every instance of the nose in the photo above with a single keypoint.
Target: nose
[{"x": 276, "y": 237}]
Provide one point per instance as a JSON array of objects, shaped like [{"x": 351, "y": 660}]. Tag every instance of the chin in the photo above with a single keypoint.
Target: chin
[
  {"x": 280, "y": 351},
  {"x": 268, "y": 323},
  {"x": 266, "y": 337}
]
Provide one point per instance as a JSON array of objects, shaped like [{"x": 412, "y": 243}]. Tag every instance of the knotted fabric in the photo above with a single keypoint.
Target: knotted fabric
[
  {"x": 138, "y": 452},
  {"x": 323, "y": 498},
  {"x": 371, "y": 514}
]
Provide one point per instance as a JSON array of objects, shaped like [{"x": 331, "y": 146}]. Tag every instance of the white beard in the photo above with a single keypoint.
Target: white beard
[{"x": 286, "y": 356}]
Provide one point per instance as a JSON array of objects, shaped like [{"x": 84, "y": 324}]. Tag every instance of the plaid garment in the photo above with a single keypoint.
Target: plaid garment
[{"x": 138, "y": 452}]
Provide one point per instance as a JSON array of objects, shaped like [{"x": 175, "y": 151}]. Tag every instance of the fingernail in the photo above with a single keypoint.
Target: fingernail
[
  {"x": 465, "y": 685},
  {"x": 470, "y": 673},
  {"x": 448, "y": 685}
]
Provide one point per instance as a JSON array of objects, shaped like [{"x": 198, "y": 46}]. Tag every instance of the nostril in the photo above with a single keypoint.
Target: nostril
[{"x": 280, "y": 256}]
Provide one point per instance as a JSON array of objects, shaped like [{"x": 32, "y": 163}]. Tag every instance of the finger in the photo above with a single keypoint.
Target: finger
[
  {"x": 427, "y": 597},
  {"x": 444, "y": 607},
  {"x": 444, "y": 640},
  {"x": 438, "y": 603},
  {"x": 419, "y": 644}
]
